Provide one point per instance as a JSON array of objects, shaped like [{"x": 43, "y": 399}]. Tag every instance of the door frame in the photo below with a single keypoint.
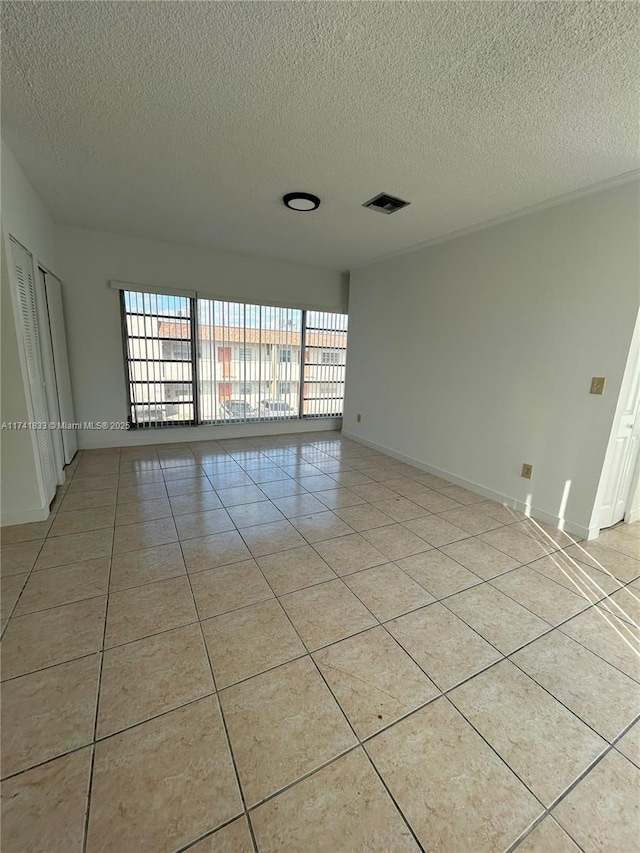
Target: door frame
[{"x": 632, "y": 512}]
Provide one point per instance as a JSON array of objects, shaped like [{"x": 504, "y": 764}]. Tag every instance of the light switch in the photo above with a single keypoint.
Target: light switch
[
  {"x": 597, "y": 385},
  {"x": 527, "y": 471}
]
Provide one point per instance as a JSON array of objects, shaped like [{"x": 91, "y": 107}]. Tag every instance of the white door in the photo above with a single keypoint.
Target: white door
[
  {"x": 623, "y": 445},
  {"x": 49, "y": 376},
  {"x": 61, "y": 363},
  {"x": 30, "y": 333}
]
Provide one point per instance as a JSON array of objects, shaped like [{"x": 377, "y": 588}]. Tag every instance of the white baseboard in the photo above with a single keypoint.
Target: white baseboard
[
  {"x": 24, "y": 516},
  {"x": 542, "y": 515},
  {"x": 632, "y": 515},
  {"x": 95, "y": 440}
]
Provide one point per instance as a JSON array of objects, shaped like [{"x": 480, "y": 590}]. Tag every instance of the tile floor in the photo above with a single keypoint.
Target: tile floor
[{"x": 299, "y": 644}]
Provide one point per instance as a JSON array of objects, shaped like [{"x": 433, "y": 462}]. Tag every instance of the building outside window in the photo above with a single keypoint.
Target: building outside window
[{"x": 176, "y": 350}]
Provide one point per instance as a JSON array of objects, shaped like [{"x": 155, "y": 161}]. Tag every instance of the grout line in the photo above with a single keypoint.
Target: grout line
[
  {"x": 29, "y": 572},
  {"x": 155, "y": 716},
  {"x": 89, "y": 597},
  {"x": 495, "y": 751},
  {"x": 307, "y": 775},
  {"x": 393, "y": 800},
  {"x": 565, "y": 793},
  {"x": 99, "y": 740},
  {"x": 546, "y": 815},
  {"x": 212, "y": 832},
  {"x": 88, "y": 745},
  {"x": 85, "y": 834}
]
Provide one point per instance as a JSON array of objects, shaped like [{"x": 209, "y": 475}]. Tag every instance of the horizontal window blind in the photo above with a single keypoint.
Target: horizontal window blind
[
  {"x": 159, "y": 355},
  {"x": 324, "y": 364}
]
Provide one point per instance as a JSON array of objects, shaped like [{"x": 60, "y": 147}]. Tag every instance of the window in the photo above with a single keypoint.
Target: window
[
  {"x": 160, "y": 382},
  {"x": 324, "y": 368},
  {"x": 247, "y": 360}
]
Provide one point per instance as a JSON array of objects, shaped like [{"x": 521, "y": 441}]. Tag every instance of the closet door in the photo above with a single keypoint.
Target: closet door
[
  {"x": 61, "y": 362},
  {"x": 23, "y": 267},
  {"x": 49, "y": 376}
]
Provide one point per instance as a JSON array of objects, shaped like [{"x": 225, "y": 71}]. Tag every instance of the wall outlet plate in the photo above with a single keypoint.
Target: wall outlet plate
[
  {"x": 527, "y": 471},
  {"x": 358, "y": 418},
  {"x": 597, "y": 385}
]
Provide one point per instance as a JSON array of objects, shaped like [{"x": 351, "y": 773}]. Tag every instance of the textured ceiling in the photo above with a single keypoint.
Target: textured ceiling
[{"x": 187, "y": 121}]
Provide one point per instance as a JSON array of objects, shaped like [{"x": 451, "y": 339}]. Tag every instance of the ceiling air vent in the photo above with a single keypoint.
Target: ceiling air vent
[{"x": 384, "y": 203}]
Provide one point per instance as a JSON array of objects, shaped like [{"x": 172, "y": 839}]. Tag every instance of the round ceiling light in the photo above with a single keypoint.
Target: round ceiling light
[{"x": 301, "y": 201}]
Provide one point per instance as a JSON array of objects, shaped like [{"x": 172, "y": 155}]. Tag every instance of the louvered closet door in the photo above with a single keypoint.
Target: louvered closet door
[
  {"x": 61, "y": 362},
  {"x": 23, "y": 266},
  {"x": 49, "y": 375}
]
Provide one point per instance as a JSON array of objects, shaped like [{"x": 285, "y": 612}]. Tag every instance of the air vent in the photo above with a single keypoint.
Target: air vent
[{"x": 385, "y": 203}]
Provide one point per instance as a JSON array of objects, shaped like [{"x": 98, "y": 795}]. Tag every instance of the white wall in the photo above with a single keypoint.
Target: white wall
[
  {"x": 89, "y": 259},
  {"x": 25, "y": 218},
  {"x": 476, "y": 355}
]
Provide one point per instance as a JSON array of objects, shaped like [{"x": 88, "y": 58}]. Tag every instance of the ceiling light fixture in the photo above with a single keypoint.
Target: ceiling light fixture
[{"x": 301, "y": 201}]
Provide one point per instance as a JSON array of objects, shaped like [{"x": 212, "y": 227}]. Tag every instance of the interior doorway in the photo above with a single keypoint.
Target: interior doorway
[{"x": 618, "y": 474}]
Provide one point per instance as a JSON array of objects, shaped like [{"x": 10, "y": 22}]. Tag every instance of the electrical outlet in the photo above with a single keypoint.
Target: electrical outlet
[
  {"x": 358, "y": 418},
  {"x": 527, "y": 471},
  {"x": 597, "y": 385}
]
